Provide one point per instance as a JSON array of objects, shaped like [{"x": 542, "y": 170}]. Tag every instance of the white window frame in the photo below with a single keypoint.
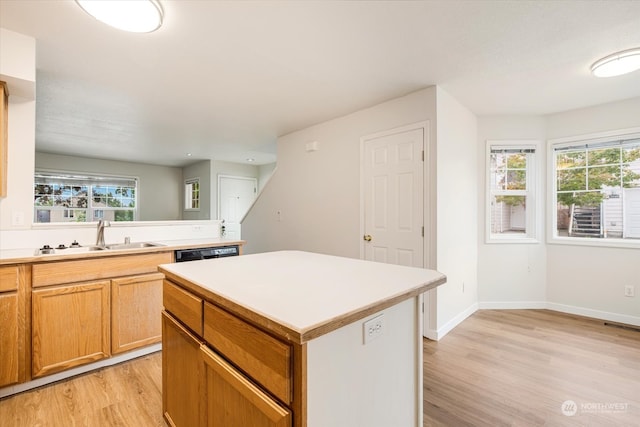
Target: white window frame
[
  {"x": 532, "y": 193},
  {"x": 552, "y": 220},
  {"x": 188, "y": 199}
]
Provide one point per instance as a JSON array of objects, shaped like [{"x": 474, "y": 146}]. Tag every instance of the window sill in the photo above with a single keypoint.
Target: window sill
[
  {"x": 596, "y": 242},
  {"x": 512, "y": 240}
]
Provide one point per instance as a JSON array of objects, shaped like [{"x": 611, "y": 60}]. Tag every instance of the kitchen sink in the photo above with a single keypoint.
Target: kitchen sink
[{"x": 132, "y": 245}]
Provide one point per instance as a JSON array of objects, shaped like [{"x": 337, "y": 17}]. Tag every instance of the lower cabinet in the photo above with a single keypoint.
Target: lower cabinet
[
  {"x": 70, "y": 326},
  {"x": 180, "y": 374},
  {"x": 9, "y": 339},
  {"x": 231, "y": 400},
  {"x": 136, "y": 304},
  {"x": 200, "y": 388},
  {"x": 13, "y": 281}
]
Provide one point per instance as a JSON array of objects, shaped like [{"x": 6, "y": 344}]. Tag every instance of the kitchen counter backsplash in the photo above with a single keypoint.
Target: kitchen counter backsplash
[{"x": 85, "y": 234}]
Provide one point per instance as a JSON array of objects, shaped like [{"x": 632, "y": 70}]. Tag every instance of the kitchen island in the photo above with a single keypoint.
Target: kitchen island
[{"x": 293, "y": 339}]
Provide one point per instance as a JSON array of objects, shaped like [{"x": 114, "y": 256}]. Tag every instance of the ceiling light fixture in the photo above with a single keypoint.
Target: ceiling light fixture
[
  {"x": 137, "y": 16},
  {"x": 617, "y": 64}
]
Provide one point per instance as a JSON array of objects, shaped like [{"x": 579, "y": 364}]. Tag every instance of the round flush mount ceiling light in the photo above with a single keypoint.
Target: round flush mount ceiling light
[
  {"x": 137, "y": 16},
  {"x": 617, "y": 64}
]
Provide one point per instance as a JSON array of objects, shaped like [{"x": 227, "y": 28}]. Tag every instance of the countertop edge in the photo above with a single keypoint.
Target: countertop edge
[{"x": 289, "y": 333}]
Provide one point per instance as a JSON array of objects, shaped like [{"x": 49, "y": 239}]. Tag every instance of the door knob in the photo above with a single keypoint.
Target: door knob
[{"x": 367, "y": 237}]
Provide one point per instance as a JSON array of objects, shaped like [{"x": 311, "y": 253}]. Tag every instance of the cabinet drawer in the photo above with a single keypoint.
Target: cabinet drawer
[
  {"x": 183, "y": 305},
  {"x": 264, "y": 358},
  {"x": 9, "y": 278},
  {"x": 62, "y": 272}
]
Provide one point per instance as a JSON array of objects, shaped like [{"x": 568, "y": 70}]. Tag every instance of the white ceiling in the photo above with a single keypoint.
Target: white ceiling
[{"x": 223, "y": 79}]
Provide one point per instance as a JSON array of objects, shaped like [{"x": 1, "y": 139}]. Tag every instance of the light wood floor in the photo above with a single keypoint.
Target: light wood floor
[
  {"x": 124, "y": 395},
  {"x": 498, "y": 368},
  {"x": 518, "y": 367}
]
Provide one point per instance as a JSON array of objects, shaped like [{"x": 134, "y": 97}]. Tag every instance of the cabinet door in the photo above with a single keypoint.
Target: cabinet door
[
  {"x": 70, "y": 326},
  {"x": 9, "y": 338},
  {"x": 180, "y": 374},
  {"x": 13, "y": 340},
  {"x": 136, "y": 307},
  {"x": 231, "y": 400}
]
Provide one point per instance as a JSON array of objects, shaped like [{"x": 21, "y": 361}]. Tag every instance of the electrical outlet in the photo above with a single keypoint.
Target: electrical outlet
[
  {"x": 373, "y": 328},
  {"x": 629, "y": 291}
]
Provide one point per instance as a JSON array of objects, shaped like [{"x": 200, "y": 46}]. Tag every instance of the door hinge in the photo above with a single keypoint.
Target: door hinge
[
  {"x": 423, "y": 231},
  {"x": 423, "y": 155}
]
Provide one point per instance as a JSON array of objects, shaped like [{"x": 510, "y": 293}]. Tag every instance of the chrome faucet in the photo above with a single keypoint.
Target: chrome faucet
[{"x": 101, "y": 225}]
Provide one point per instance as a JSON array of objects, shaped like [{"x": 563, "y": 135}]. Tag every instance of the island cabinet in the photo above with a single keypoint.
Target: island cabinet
[
  {"x": 90, "y": 309},
  {"x": 293, "y": 339},
  {"x": 13, "y": 317},
  {"x": 221, "y": 370}
]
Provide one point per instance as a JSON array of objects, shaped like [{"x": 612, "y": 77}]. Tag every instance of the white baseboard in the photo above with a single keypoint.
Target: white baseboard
[
  {"x": 451, "y": 324},
  {"x": 436, "y": 335},
  {"x": 596, "y": 314}
]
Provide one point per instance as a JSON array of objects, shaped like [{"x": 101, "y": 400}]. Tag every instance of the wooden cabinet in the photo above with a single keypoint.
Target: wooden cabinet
[
  {"x": 219, "y": 370},
  {"x": 136, "y": 303},
  {"x": 13, "y": 290},
  {"x": 4, "y": 137},
  {"x": 180, "y": 374},
  {"x": 90, "y": 309},
  {"x": 231, "y": 400},
  {"x": 70, "y": 326}
]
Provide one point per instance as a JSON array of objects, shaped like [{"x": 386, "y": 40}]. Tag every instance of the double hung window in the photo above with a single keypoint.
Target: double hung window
[
  {"x": 596, "y": 189},
  {"x": 69, "y": 197},
  {"x": 511, "y": 181}
]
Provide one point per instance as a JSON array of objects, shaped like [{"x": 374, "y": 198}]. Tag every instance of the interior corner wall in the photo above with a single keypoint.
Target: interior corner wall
[
  {"x": 159, "y": 187},
  {"x": 511, "y": 275},
  {"x": 457, "y": 216},
  {"x": 312, "y": 201},
  {"x": 202, "y": 171},
  {"x": 590, "y": 280}
]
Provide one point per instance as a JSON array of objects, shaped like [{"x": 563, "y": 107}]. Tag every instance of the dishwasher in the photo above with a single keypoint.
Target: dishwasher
[{"x": 183, "y": 255}]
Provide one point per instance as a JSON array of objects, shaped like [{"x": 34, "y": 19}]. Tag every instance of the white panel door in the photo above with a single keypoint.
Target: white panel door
[
  {"x": 235, "y": 196},
  {"x": 393, "y": 178},
  {"x": 631, "y": 212}
]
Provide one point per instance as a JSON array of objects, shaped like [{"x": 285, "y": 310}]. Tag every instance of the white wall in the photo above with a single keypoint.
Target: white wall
[
  {"x": 576, "y": 279},
  {"x": 159, "y": 187},
  {"x": 17, "y": 68},
  {"x": 457, "y": 213},
  {"x": 317, "y": 193},
  {"x": 511, "y": 275},
  {"x": 590, "y": 280},
  {"x": 313, "y": 201}
]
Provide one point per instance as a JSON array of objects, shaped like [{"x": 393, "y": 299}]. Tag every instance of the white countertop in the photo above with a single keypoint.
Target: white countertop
[
  {"x": 8, "y": 256},
  {"x": 304, "y": 291}
]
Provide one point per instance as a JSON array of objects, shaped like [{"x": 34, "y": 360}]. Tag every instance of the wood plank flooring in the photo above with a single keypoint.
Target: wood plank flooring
[
  {"x": 124, "y": 395},
  {"x": 518, "y": 367},
  {"x": 498, "y": 368}
]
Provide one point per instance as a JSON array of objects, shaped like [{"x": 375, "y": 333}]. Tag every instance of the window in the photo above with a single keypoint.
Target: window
[
  {"x": 68, "y": 197},
  {"x": 511, "y": 181},
  {"x": 596, "y": 189},
  {"x": 192, "y": 194}
]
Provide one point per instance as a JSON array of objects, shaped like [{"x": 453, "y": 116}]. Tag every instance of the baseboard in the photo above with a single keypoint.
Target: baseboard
[
  {"x": 596, "y": 314},
  {"x": 451, "y": 324},
  {"x": 563, "y": 308}
]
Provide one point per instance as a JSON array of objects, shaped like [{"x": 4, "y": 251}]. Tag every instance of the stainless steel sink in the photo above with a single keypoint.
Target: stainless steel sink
[{"x": 132, "y": 245}]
